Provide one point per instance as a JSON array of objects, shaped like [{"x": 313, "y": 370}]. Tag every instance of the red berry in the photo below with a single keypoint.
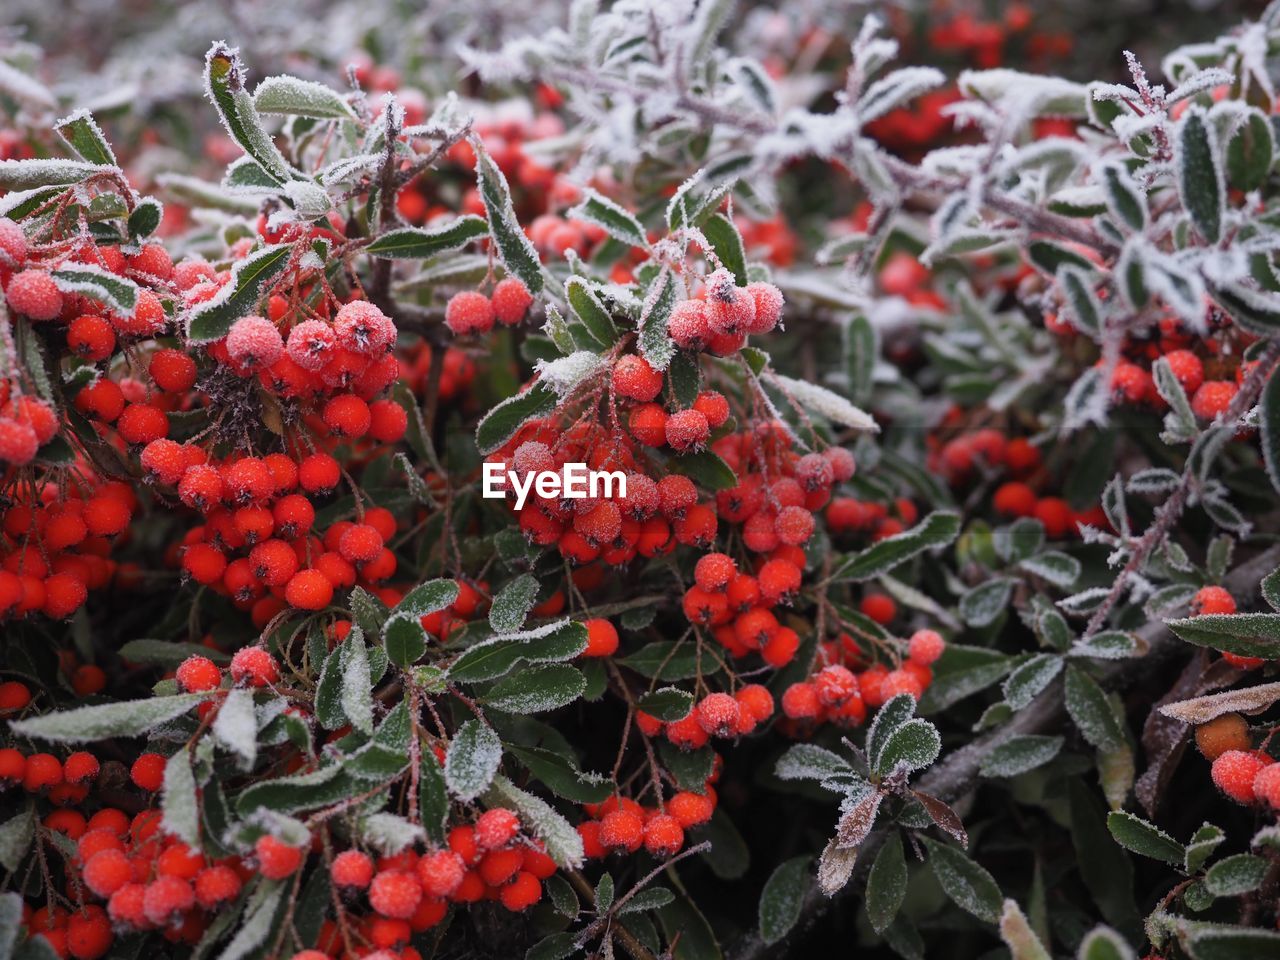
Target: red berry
[
  {"x": 1213, "y": 398},
  {"x": 254, "y": 343},
  {"x": 496, "y": 828},
  {"x": 395, "y": 893},
  {"x": 522, "y": 892},
  {"x": 216, "y": 885},
  {"x": 602, "y": 638},
  {"x": 663, "y": 835},
  {"x": 276, "y": 859},
  {"x": 1233, "y": 773},
  {"x": 686, "y": 430},
  {"x": 147, "y": 772},
  {"x": 925, "y": 646},
  {"x": 511, "y": 300},
  {"x": 166, "y": 898},
  {"x": 254, "y": 667},
  {"x": 309, "y": 590},
  {"x": 1212, "y": 600},
  {"x": 469, "y": 312},
  {"x": 622, "y": 830},
  {"x": 33, "y": 293},
  {"x": 107, "y": 871},
  {"x": 690, "y": 809},
  {"x": 635, "y": 379},
  {"x": 351, "y": 868},
  {"x": 440, "y": 873}
]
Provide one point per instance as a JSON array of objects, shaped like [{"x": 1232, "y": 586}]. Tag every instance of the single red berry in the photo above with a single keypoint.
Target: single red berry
[
  {"x": 602, "y": 638},
  {"x": 926, "y": 646},
  {"x": 1212, "y": 600},
  {"x": 1234, "y": 772},
  {"x": 254, "y": 667},
  {"x": 663, "y": 835},
  {"x": 351, "y": 868},
  {"x": 469, "y": 312},
  {"x": 511, "y": 300},
  {"x": 147, "y": 772},
  {"x": 496, "y": 828},
  {"x": 395, "y": 893},
  {"x": 276, "y": 859}
]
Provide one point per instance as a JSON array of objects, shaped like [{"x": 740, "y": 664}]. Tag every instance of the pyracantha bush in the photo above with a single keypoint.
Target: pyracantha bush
[{"x": 939, "y": 431}]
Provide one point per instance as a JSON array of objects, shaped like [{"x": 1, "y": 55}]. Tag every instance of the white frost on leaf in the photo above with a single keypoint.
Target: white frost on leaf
[{"x": 564, "y": 374}]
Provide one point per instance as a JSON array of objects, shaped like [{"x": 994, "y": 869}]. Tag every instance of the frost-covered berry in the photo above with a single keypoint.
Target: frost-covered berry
[
  {"x": 351, "y": 868},
  {"x": 718, "y": 714},
  {"x": 18, "y": 444},
  {"x": 34, "y": 294},
  {"x": 800, "y": 701},
  {"x": 1212, "y": 600},
  {"x": 685, "y": 430},
  {"x": 691, "y": 809},
  {"x": 1266, "y": 785},
  {"x": 107, "y": 871},
  {"x": 254, "y": 343},
  {"x": 360, "y": 543},
  {"x": 165, "y": 459},
  {"x": 687, "y": 325},
  {"x": 714, "y": 571},
  {"x": 363, "y": 328},
  {"x": 1213, "y": 398},
  {"x": 834, "y": 685},
  {"x": 395, "y": 893},
  {"x": 167, "y": 898},
  {"x": 254, "y": 667},
  {"x": 511, "y": 300},
  {"x": 276, "y": 859},
  {"x": 1187, "y": 368},
  {"x": 197, "y": 674},
  {"x": 730, "y": 309},
  {"x": 311, "y": 344},
  {"x": 347, "y": 415},
  {"x": 1233, "y": 773},
  {"x": 440, "y": 872},
  {"x": 469, "y": 312},
  {"x": 925, "y": 646},
  {"x": 635, "y": 379},
  {"x": 768, "y": 307},
  {"x": 308, "y": 590},
  {"x": 794, "y": 525},
  {"x": 216, "y": 885},
  {"x": 712, "y": 405},
  {"x": 622, "y": 830},
  {"x": 663, "y": 835},
  {"x": 13, "y": 244},
  {"x": 496, "y": 828}
]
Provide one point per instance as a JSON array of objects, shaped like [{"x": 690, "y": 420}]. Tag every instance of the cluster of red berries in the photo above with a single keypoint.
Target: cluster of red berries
[
  {"x": 622, "y": 825},
  {"x": 835, "y": 693},
  {"x": 471, "y": 312}
]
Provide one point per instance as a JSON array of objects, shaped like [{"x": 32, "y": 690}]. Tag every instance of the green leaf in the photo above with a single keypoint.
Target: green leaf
[
  {"x": 180, "y": 806},
  {"x": 667, "y": 703},
  {"x": 782, "y": 898},
  {"x": 912, "y": 746},
  {"x": 1016, "y": 932},
  {"x": 1103, "y": 943},
  {"x": 1213, "y": 941},
  {"x": 501, "y": 423},
  {"x": 494, "y": 658},
  {"x": 561, "y": 775},
  {"x": 970, "y": 887},
  {"x": 239, "y": 297},
  {"x": 651, "y": 898},
  {"x": 259, "y": 920},
  {"x": 697, "y": 941},
  {"x": 17, "y": 176},
  {"x": 1124, "y": 199},
  {"x": 861, "y": 351},
  {"x": 982, "y": 606},
  {"x": 808, "y": 761},
  {"x": 937, "y": 529},
  {"x": 167, "y": 653},
  {"x": 892, "y": 715},
  {"x": 1250, "y": 152},
  {"x": 1200, "y": 174},
  {"x": 414, "y": 243},
  {"x": 303, "y": 791},
  {"x": 433, "y": 796},
  {"x": 300, "y": 98},
  {"x": 1140, "y": 836},
  {"x": 512, "y": 604},
  {"x": 886, "y": 884},
  {"x": 615, "y": 220},
  {"x": 655, "y": 344},
  {"x": 1247, "y": 634},
  {"x": 516, "y": 250},
  {"x": 357, "y": 684},
  {"x": 85, "y": 138},
  {"x": 224, "y": 81},
  {"x": 726, "y": 241},
  {"x": 1232, "y": 876},
  {"x": 685, "y": 377},
  {"x": 705, "y": 468},
  {"x": 537, "y": 689},
  {"x": 1090, "y": 710},
  {"x": 87, "y": 280},
  {"x": 127, "y": 718},
  {"x": 557, "y": 946},
  {"x": 664, "y": 660},
  {"x": 1028, "y": 680},
  {"x": 16, "y": 835},
  {"x": 586, "y": 306},
  {"x": 1017, "y": 755},
  {"x": 404, "y": 640},
  {"x": 472, "y": 760},
  {"x": 328, "y": 701}
]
